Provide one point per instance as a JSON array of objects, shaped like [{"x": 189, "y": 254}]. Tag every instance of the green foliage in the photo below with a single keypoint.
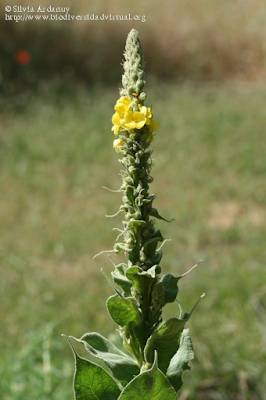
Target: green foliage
[
  {"x": 179, "y": 362},
  {"x": 169, "y": 283},
  {"x": 91, "y": 382},
  {"x": 121, "y": 364},
  {"x": 150, "y": 385},
  {"x": 165, "y": 340},
  {"x": 124, "y": 311}
]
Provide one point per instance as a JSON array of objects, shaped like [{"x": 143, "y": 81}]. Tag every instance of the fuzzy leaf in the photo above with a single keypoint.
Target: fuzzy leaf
[
  {"x": 92, "y": 382},
  {"x": 170, "y": 288},
  {"x": 152, "y": 272},
  {"x": 179, "y": 362},
  {"x": 154, "y": 213},
  {"x": 158, "y": 256},
  {"x": 142, "y": 279},
  {"x": 155, "y": 238},
  {"x": 123, "y": 367},
  {"x": 123, "y": 311},
  {"x": 121, "y": 280},
  {"x": 149, "y": 385},
  {"x": 136, "y": 223},
  {"x": 133, "y": 274},
  {"x": 165, "y": 340}
]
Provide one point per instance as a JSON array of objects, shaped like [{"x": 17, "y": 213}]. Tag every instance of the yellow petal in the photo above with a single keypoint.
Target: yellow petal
[
  {"x": 116, "y": 119},
  {"x": 115, "y": 128},
  {"x": 117, "y": 144},
  {"x": 125, "y": 100},
  {"x": 133, "y": 120},
  {"x": 120, "y": 108}
]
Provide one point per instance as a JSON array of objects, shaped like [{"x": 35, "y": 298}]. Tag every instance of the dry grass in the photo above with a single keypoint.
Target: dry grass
[{"x": 200, "y": 40}]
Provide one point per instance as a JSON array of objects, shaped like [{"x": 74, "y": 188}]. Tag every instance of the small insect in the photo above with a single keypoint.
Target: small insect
[{"x": 135, "y": 95}]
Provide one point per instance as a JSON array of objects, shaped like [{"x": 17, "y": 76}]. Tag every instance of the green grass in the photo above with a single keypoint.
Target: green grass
[{"x": 210, "y": 165}]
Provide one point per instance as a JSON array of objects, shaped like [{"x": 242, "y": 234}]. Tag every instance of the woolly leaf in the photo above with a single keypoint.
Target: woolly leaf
[
  {"x": 123, "y": 311},
  {"x": 142, "y": 279},
  {"x": 149, "y": 385},
  {"x": 179, "y": 362},
  {"x": 121, "y": 280},
  {"x": 152, "y": 272},
  {"x": 158, "y": 256},
  {"x": 165, "y": 340},
  {"x": 154, "y": 213},
  {"x": 154, "y": 238},
  {"x": 123, "y": 367},
  {"x": 133, "y": 274},
  {"x": 91, "y": 382},
  {"x": 170, "y": 288}
]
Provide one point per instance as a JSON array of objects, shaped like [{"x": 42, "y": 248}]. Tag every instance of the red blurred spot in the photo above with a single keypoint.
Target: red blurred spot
[{"x": 22, "y": 57}]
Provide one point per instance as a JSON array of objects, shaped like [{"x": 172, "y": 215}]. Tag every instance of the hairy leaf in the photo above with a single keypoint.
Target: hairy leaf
[
  {"x": 149, "y": 385},
  {"x": 141, "y": 279},
  {"x": 179, "y": 362},
  {"x": 165, "y": 340},
  {"x": 154, "y": 238},
  {"x": 123, "y": 311},
  {"x": 154, "y": 213},
  {"x": 123, "y": 367},
  {"x": 121, "y": 280},
  {"x": 170, "y": 288},
  {"x": 92, "y": 382}
]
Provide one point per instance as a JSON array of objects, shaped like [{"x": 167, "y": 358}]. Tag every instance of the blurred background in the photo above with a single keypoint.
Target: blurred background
[{"x": 59, "y": 80}]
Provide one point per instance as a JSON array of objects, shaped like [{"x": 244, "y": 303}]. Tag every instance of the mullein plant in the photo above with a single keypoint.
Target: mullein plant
[{"x": 156, "y": 351}]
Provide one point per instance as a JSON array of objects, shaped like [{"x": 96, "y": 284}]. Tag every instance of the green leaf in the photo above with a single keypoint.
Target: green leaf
[
  {"x": 120, "y": 279},
  {"x": 91, "y": 382},
  {"x": 123, "y": 311},
  {"x": 133, "y": 223},
  {"x": 154, "y": 213},
  {"x": 141, "y": 279},
  {"x": 158, "y": 256},
  {"x": 170, "y": 288},
  {"x": 179, "y": 362},
  {"x": 133, "y": 274},
  {"x": 153, "y": 271},
  {"x": 165, "y": 340},
  {"x": 154, "y": 238},
  {"x": 149, "y": 385},
  {"x": 123, "y": 367}
]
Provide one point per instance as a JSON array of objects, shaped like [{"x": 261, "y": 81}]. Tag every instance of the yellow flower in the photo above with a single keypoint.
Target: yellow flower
[
  {"x": 117, "y": 144},
  {"x": 127, "y": 119},
  {"x": 122, "y": 105},
  {"x": 115, "y": 128},
  {"x": 133, "y": 120},
  {"x": 116, "y": 122},
  {"x": 146, "y": 111}
]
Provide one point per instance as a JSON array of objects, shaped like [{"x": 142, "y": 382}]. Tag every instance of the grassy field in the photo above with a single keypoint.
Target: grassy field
[{"x": 210, "y": 168}]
